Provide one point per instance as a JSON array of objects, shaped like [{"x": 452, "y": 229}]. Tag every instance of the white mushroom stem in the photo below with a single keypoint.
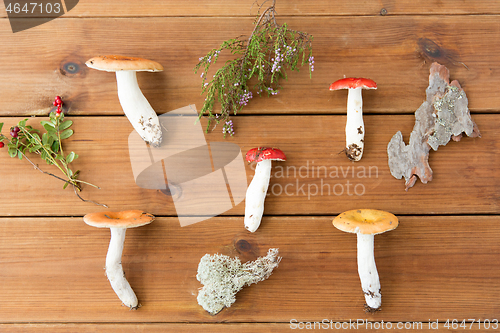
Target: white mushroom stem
[
  {"x": 137, "y": 108},
  {"x": 114, "y": 269},
  {"x": 367, "y": 271},
  {"x": 256, "y": 194},
  {"x": 354, "y": 128}
]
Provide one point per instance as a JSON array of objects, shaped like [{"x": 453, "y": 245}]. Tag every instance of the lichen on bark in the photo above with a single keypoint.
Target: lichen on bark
[{"x": 444, "y": 115}]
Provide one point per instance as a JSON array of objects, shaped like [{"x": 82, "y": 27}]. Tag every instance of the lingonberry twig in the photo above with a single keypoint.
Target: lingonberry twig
[{"x": 25, "y": 138}]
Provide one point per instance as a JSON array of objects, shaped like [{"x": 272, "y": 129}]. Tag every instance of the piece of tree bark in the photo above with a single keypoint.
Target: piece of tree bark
[{"x": 443, "y": 116}]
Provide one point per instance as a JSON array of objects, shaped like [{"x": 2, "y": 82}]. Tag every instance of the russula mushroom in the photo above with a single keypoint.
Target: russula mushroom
[
  {"x": 366, "y": 223},
  {"x": 118, "y": 222},
  {"x": 257, "y": 190},
  {"x": 354, "y": 128},
  {"x": 136, "y": 107}
]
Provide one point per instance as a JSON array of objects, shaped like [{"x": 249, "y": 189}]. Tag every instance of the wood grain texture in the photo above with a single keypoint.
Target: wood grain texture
[
  {"x": 430, "y": 268},
  {"x": 440, "y": 263},
  {"x": 394, "y": 51},
  {"x": 316, "y": 178},
  {"x": 151, "y": 8}
]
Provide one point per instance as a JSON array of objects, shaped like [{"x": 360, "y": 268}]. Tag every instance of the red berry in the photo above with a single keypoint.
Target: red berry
[
  {"x": 16, "y": 129},
  {"x": 2, "y": 144},
  {"x": 55, "y": 103},
  {"x": 13, "y": 134},
  {"x": 58, "y": 98}
]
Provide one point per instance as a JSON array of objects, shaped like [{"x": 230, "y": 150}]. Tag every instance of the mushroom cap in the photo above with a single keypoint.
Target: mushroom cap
[
  {"x": 352, "y": 83},
  {"x": 264, "y": 153},
  {"x": 115, "y": 63},
  {"x": 124, "y": 219},
  {"x": 365, "y": 221}
]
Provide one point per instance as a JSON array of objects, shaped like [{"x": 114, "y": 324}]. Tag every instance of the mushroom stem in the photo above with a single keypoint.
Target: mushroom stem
[
  {"x": 355, "y": 128},
  {"x": 367, "y": 271},
  {"x": 114, "y": 269},
  {"x": 137, "y": 108},
  {"x": 256, "y": 194}
]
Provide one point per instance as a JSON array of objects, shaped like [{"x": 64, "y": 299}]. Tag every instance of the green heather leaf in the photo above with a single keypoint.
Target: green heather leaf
[{"x": 66, "y": 134}]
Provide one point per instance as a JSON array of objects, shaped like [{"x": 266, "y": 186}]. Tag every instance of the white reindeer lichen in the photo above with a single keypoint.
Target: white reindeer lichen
[{"x": 222, "y": 277}]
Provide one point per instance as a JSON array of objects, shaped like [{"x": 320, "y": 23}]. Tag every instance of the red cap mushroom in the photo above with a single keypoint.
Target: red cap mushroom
[
  {"x": 257, "y": 190},
  {"x": 354, "y": 130}
]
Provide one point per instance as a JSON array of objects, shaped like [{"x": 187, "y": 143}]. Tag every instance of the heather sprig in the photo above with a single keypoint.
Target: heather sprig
[{"x": 270, "y": 50}]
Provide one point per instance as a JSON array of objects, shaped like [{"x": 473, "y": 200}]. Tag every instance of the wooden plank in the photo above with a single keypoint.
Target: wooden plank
[
  {"x": 402, "y": 47},
  {"x": 431, "y": 268},
  {"x": 316, "y": 179},
  {"x": 94, "y": 8},
  {"x": 228, "y": 327}
]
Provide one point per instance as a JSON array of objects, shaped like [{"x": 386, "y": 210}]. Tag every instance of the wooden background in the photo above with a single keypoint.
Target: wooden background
[{"x": 440, "y": 264}]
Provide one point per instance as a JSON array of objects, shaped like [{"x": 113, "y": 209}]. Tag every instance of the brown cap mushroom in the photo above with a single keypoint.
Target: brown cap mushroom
[
  {"x": 124, "y": 219},
  {"x": 114, "y": 63},
  {"x": 366, "y": 223},
  {"x": 136, "y": 107},
  {"x": 118, "y": 222}
]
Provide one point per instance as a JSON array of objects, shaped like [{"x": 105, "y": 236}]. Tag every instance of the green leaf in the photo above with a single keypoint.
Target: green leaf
[
  {"x": 1, "y": 125},
  {"x": 66, "y": 134},
  {"x": 45, "y": 139},
  {"x": 20, "y": 154},
  {"x": 70, "y": 157},
  {"x": 37, "y": 137},
  {"x": 12, "y": 152},
  {"x": 22, "y": 123},
  {"x": 65, "y": 124},
  {"x": 35, "y": 148},
  {"x": 49, "y": 128},
  {"x": 52, "y": 135},
  {"x": 43, "y": 122},
  {"x": 55, "y": 146}
]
